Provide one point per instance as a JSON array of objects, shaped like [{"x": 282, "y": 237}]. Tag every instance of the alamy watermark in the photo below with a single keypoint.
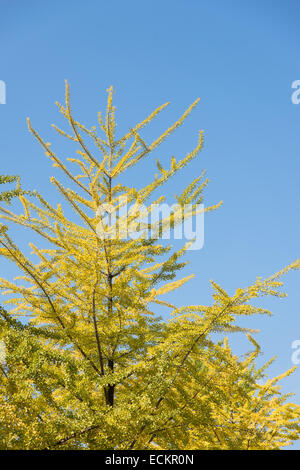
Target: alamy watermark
[
  {"x": 2, "y": 353},
  {"x": 296, "y": 94},
  {"x": 2, "y": 92},
  {"x": 296, "y": 354},
  {"x": 157, "y": 221}
]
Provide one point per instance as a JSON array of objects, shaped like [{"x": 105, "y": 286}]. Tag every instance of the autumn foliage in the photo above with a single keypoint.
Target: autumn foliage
[{"x": 89, "y": 365}]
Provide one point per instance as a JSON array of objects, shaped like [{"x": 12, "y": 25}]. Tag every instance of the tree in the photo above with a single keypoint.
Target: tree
[{"x": 94, "y": 367}]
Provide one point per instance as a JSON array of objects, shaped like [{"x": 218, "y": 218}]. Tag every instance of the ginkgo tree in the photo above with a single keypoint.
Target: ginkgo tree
[{"x": 89, "y": 364}]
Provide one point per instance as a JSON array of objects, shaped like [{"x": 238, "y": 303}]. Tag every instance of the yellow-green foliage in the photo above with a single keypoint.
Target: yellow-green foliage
[
  {"x": 93, "y": 367},
  {"x": 9, "y": 194}
]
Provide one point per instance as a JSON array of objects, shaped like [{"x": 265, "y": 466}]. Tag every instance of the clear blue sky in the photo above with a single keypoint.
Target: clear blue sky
[{"x": 240, "y": 57}]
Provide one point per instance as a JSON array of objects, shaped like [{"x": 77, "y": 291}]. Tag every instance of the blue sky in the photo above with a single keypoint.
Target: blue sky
[{"x": 240, "y": 58}]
